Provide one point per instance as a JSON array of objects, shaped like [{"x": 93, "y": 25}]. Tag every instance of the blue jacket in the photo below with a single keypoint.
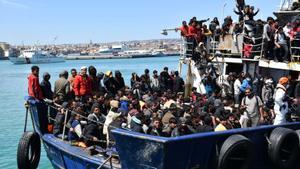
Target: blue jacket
[{"x": 245, "y": 85}]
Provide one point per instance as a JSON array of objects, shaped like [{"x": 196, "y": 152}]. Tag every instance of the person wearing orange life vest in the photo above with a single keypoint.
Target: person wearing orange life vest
[
  {"x": 184, "y": 29},
  {"x": 280, "y": 99}
]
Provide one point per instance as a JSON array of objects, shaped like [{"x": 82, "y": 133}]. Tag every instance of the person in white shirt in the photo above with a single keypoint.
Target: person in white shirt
[
  {"x": 236, "y": 86},
  {"x": 281, "y": 104}
]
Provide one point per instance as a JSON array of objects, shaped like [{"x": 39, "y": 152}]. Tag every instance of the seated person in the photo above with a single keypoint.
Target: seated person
[
  {"x": 137, "y": 122},
  {"x": 170, "y": 127},
  {"x": 59, "y": 120},
  {"x": 222, "y": 126},
  {"x": 92, "y": 133},
  {"x": 156, "y": 128},
  {"x": 233, "y": 121},
  {"x": 182, "y": 129},
  {"x": 118, "y": 122},
  {"x": 75, "y": 132},
  {"x": 206, "y": 126}
]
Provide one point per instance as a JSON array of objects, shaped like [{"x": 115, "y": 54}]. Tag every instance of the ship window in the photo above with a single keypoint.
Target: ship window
[{"x": 234, "y": 67}]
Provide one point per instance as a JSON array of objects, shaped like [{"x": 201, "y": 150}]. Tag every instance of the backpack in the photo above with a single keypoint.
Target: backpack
[{"x": 244, "y": 102}]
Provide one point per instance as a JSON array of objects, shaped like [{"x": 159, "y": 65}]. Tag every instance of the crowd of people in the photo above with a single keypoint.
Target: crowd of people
[
  {"x": 157, "y": 104},
  {"x": 277, "y": 38},
  {"x": 161, "y": 104}
]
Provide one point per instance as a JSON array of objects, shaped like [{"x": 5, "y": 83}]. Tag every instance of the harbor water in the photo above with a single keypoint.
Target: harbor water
[{"x": 13, "y": 88}]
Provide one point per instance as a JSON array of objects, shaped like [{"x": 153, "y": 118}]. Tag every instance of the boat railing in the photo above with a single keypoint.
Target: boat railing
[
  {"x": 65, "y": 127},
  {"x": 256, "y": 46},
  {"x": 295, "y": 50},
  {"x": 52, "y": 105},
  {"x": 255, "y": 43}
]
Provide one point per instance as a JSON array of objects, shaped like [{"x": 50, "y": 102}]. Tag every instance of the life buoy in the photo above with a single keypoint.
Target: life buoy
[
  {"x": 236, "y": 153},
  {"x": 283, "y": 148},
  {"x": 29, "y": 150}
]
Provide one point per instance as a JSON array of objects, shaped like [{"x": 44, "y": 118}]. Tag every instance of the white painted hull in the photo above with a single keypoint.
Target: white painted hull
[{"x": 22, "y": 60}]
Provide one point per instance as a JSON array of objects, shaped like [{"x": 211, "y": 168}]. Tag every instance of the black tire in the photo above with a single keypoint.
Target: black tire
[
  {"x": 29, "y": 151},
  {"x": 283, "y": 148},
  {"x": 236, "y": 153},
  {"x": 298, "y": 132}
]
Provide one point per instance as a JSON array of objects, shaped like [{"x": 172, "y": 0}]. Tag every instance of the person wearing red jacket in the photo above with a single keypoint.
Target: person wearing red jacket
[
  {"x": 82, "y": 84},
  {"x": 193, "y": 29},
  {"x": 184, "y": 29},
  {"x": 34, "y": 88}
]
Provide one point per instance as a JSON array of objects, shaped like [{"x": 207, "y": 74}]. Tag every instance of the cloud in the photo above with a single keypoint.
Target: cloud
[{"x": 14, "y": 4}]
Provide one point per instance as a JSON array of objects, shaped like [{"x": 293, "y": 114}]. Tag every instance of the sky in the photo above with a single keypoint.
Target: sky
[{"x": 79, "y": 21}]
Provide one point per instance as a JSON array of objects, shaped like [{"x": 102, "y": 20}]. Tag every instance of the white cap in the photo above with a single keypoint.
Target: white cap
[
  {"x": 83, "y": 67},
  {"x": 269, "y": 81}
]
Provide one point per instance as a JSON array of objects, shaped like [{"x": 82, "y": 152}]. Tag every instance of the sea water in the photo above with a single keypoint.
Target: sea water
[{"x": 13, "y": 88}]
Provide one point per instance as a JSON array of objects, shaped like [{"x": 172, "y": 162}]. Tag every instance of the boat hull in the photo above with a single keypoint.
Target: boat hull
[
  {"x": 62, "y": 155},
  {"x": 141, "y": 151},
  {"x": 197, "y": 151},
  {"x": 22, "y": 60}
]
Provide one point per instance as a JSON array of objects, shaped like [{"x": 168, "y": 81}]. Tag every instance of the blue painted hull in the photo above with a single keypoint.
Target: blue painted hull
[
  {"x": 62, "y": 154},
  {"x": 196, "y": 151},
  {"x": 140, "y": 151}
]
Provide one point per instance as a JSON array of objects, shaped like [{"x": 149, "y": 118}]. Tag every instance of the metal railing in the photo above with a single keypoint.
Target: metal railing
[{"x": 295, "y": 50}]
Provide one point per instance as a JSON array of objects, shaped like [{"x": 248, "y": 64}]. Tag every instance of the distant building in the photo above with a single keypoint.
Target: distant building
[{"x": 4, "y": 48}]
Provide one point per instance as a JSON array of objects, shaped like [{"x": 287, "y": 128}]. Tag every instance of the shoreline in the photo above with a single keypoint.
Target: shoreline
[{"x": 92, "y": 57}]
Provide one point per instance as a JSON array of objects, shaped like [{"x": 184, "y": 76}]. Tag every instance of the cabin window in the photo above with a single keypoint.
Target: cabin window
[{"x": 234, "y": 67}]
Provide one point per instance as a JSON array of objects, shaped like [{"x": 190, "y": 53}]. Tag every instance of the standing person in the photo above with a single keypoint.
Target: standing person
[
  {"x": 82, "y": 84},
  {"x": 94, "y": 80},
  {"x": 120, "y": 84},
  {"x": 268, "y": 93},
  {"x": 252, "y": 106},
  {"x": 267, "y": 38},
  {"x": 110, "y": 83},
  {"x": 184, "y": 29},
  {"x": 178, "y": 83},
  {"x": 280, "y": 100},
  {"x": 134, "y": 79},
  {"x": 237, "y": 84},
  {"x": 281, "y": 47},
  {"x": 155, "y": 82},
  {"x": 34, "y": 88},
  {"x": 35, "y": 91},
  {"x": 62, "y": 87},
  {"x": 46, "y": 86},
  {"x": 240, "y": 4},
  {"x": 164, "y": 79},
  {"x": 72, "y": 77},
  {"x": 146, "y": 77}
]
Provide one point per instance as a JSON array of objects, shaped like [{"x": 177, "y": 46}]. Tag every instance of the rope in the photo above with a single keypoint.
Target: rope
[
  {"x": 99, "y": 141},
  {"x": 75, "y": 113},
  {"x": 251, "y": 38},
  {"x": 252, "y": 44}
]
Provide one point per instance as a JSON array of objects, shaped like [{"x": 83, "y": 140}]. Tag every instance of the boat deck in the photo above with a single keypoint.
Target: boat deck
[{"x": 62, "y": 155}]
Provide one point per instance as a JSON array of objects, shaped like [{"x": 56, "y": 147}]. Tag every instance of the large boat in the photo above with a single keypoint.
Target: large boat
[
  {"x": 263, "y": 147},
  {"x": 36, "y": 56}
]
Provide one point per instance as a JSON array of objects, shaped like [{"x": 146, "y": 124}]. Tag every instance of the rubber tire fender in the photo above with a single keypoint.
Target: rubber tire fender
[
  {"x": 29, "y": 151},
  {"x": 298, "y": 133},
  {"x": 236, "y": 153},
  {"x": 284, "y": 148}
]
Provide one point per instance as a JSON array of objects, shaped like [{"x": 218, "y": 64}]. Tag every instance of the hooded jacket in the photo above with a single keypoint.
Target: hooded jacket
[
  {"x": 82, "y": 86},
  {"x": 34, "y": 88}
]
